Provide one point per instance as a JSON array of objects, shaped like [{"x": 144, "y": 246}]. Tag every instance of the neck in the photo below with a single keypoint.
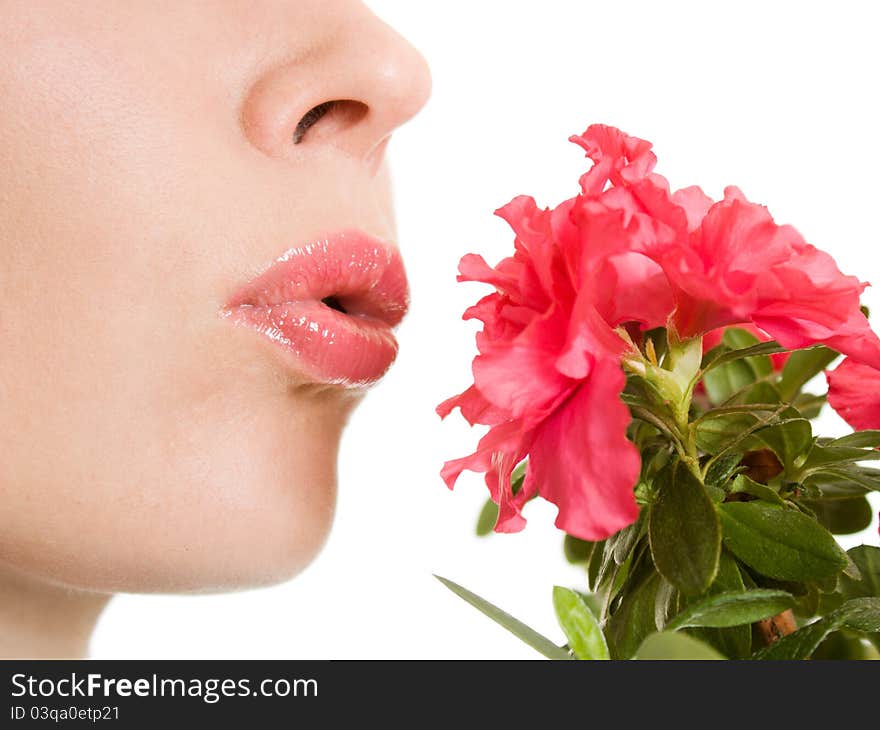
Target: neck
[{"x": 42, "y": 620}]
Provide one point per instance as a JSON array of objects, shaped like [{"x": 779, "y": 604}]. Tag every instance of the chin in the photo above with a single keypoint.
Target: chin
[
  {"x": 256, "y": 521},
  {"x": 244, "y": 506},
  {"x": 269, "y": 544}
]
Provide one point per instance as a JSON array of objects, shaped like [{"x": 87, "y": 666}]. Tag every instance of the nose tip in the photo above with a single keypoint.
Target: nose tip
[{"x": 403, "y": 79}]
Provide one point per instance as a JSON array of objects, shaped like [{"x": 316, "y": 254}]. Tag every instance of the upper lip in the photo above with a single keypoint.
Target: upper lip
[{"x": 351, "y": 271}]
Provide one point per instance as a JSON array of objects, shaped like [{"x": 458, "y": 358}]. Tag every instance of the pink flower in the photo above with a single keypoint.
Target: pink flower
[
  {"x": 547, "y": 380},
  {"x": 854, "y": 392},
  {"x": 728, "y": 262},
  {"x": 624, "y": 252}
]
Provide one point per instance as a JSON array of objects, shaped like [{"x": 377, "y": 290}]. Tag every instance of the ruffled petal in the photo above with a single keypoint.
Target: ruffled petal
[
  {"x": 501, "y": 445},
  {"x": 582, "y": 461},
  {"x": 854, "y": 392},
  {"x": 589, "y": 338},
  {"x": 474, "y": 407},
  {"x": 519, "y": 375},
  {"x": 617, "y": 156},
  {"x": 635, "y": 290}
]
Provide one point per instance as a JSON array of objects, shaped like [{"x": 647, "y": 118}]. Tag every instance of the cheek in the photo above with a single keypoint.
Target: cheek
[{"x": 207, "y": 492}]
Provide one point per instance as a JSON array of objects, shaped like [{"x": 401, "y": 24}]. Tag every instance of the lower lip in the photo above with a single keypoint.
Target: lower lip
[{"x": 327, "y": 346}]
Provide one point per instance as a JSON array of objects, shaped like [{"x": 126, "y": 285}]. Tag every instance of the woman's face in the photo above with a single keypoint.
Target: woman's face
[{"x": 149, "y": 440}]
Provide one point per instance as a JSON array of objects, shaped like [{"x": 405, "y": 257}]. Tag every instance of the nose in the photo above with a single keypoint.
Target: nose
[{"x": 349, "y": 92}]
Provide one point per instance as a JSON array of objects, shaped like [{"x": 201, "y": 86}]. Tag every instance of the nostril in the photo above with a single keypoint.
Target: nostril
[
  {"x": 311, "y": 118},
  {"x": 334, "y": 303},
  {"x": 343, "y": 113}
]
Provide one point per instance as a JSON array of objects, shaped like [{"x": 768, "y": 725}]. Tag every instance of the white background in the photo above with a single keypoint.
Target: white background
[{"x": 778, "y": 98}]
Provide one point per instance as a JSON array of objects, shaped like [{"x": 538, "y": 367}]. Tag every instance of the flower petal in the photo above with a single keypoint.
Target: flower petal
[
  {"x": 474, "y": 407},
  {"x": 520, "y": 375},
  {"x": 582, "y": 461},
  {"x": 854, "y": 392}
]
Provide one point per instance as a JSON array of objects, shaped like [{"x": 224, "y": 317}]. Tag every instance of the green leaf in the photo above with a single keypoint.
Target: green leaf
[
  {"x": 841, "y": 516},
  {"x": 593, "y": 565},
  {"x": 735, "y": 431},
  {"x": 734, "y": 642},
  {"x": 726, "y": 379},
  {"x": 822, "y": 457},
  {"x": 800, "y": 644},
  {"x": 539, "y": 643},
  {"x": 608, "y": 567},
  {"x": 736, "y": 338},
  {"x": 714, "y": 435},
  {"x": 780, "y": 543},
  {"x": 671, "y": 645},
  {"x": 862, "y": 476},
  {"x": 518, "y": 475},
  {"x": 809, "y": 405},
  {"x": 802, "y": 366},
  {"x": 759, "y": 395},
  {"x": 592, "y": 602},
  {"x": 831, "y": 485},
  {"x": 627, "y": 539},
  {"x": 860, "y": 614},
  {"x": 666, "y": 604},
  {"x": 867, "y": 560},
  {"x": 722, "y": 382},
  {"x": 790, "y": 440},
  {"x": 845, "y": 644},
  {"x": 584, "y": 636},
  {"x": 732, "y": 608},
  {"x": 576, "y": 550},
  {"x": 634, "y": 618},
  {"x": 734, "y": 408},
  {"x": 745, "y": 485},
  {"x": 721, "y": 471},
  {"x": 487, "y": 519},
  {"x": 859, "y": 439},
  {"x": 684, "y": 530},
  {"x": 714, "y": 360}
]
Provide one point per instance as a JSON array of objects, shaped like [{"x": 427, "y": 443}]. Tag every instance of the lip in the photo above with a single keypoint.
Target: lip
[{"x": 293, "y": 304}]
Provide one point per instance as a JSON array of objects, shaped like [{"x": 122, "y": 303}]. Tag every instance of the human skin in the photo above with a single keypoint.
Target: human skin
[{"x": 148, "y": 172}]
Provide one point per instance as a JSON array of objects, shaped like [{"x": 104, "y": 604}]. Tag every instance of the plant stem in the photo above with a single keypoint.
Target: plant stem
[{"x": 774, "y": 628}]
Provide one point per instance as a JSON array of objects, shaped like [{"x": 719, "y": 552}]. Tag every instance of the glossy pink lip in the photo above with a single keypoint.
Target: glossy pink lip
[{"x": 296, "y": 304}]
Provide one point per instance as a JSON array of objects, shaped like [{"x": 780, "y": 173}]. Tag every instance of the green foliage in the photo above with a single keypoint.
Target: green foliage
[
  {"x": 585, "y": 637},
  {"x": 732, "y": 608},
  {"x": 744, "y": 485},
  {"x": 670, "y": 645},
  {"x": 841, "y": 516},
  {"x": 577, "y": 551},
  {"x": 739, "y": 504},
  {"x": 721, "y": 355},
  {"x": 866, "y": 583},
  {"x": 531, "y": 637},
  {"x": 790, "y": 440},
  {"x": 634, "y": 617},
  {"x": 845, "y": 644},
  {"x": 487, "y": 518},
  {"x": 779, "y": 542},
  {"x": 801, "y": 367},
  {"x": 859, "y": 614},
  {"x": 684, "y": 530},
  {"x": 728, "y": 378},
  {"x": 734, "y": 642}
]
